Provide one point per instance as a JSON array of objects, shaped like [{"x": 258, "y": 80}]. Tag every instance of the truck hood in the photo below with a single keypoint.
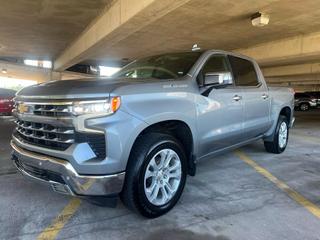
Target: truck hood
[{"x": 76, "y": 89}]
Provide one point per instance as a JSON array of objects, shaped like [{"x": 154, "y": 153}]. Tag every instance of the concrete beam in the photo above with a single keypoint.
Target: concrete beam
[
  {"x": 24, "y": 72},
  {"x": 290, "y": 70},
  {"x": 298, "y": 49},
  {"x": 121, "y": 20}
]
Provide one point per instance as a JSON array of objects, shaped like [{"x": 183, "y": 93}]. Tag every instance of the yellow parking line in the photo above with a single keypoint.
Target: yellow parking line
[
  {"x": 311, "y": 207},
  {"x": 58, "y": 223}
]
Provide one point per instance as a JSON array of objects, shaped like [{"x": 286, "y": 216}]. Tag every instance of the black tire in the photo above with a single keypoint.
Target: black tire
[
  {"x": 274, "y": 146},
  {"x": 304, "y": 107},
  {"x": 133, "y": 194}
]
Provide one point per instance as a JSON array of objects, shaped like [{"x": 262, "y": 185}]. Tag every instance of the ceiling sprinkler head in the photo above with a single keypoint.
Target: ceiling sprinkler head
[{"x": 195, "y": 47}]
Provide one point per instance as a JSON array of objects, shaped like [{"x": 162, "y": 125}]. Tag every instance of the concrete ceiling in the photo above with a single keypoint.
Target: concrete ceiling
[
  {"x": 219, "y": 24},
  {"x": 108, "y": 31},
  {"x": 43, "y": 28}
]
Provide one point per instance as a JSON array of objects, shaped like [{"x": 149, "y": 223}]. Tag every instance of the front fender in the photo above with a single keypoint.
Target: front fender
[{"x": 161, "y": 107}]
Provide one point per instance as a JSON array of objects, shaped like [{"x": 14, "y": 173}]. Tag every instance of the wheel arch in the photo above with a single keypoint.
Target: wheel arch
[
  {"x": 178, "y": 129},
  {"x": 287, "y": 112},
  {"x": 284, "y": 111}
]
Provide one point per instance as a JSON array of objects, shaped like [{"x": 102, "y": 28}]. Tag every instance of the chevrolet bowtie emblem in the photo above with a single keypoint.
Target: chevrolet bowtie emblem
[{"x": 22, "y": 108}]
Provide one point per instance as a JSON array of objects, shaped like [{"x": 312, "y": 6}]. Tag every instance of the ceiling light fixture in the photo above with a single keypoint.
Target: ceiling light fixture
[
  {"x": 259, "y": 19},
  {"x": 4, "y": 71},
  {"x": 195, "y": 48}
]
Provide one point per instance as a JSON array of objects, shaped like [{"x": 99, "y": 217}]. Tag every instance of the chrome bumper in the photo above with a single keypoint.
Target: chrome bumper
[{"x": 62, "y": 176}]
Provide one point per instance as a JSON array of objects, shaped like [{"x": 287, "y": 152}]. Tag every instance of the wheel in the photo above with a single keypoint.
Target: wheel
[
  {"x": 304, "y": 107},
  {"x": 156, "y": 175},
  {"x": 281, "y": 136}
]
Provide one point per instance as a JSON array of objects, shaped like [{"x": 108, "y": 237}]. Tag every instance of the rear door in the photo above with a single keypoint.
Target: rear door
[{"x": 254, "y": 94}]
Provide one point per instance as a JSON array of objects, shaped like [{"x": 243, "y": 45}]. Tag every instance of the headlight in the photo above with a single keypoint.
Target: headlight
[{"x": 97, "y": 107}]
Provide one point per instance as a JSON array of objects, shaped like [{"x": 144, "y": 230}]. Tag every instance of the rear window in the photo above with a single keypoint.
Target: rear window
[{"x": 244, "y": 72}]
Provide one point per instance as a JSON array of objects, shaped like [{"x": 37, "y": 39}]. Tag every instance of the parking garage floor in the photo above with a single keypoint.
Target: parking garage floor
[{"x": 246, "y": 194}]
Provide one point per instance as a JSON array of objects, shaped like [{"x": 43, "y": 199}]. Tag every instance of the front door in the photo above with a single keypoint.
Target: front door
[{"x": 220, "y": 109}]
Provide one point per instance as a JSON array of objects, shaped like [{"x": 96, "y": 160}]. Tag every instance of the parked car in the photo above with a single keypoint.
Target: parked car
[
  {"x": 315, "y": 95},
  {"x": 304, "y": 101},
  {"x": 139, "y": 134},
  {"x": 6, "y": 101}
]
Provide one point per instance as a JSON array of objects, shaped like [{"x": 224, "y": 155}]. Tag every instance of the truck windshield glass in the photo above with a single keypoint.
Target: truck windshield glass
[{"x": 168, "y": 66}]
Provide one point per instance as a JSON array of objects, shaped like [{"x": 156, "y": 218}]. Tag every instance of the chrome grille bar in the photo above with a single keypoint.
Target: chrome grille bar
[
  {"x": 45, "y": 135},
  {"x": 31, "y": 135},
  {"x": 58, "y": 130}
]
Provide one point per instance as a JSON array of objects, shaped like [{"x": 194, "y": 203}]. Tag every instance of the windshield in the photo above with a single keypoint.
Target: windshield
[{"x": 168, "y": 66}]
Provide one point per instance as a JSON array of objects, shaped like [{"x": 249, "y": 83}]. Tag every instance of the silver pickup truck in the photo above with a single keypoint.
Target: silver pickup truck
[{"x": 140, "y": 133}]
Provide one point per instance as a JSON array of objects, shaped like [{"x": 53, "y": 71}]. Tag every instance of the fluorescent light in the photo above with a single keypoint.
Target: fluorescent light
[
  {"x": 31, "y": 62},
  {"x": 37, "y": 63},
  {"x": 47, "y": 64},
  {"x": 108, "y": 71}
]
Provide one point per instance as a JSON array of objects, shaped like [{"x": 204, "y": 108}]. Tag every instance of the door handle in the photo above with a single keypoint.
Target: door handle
[
  {"x": 237, "y": 98},
  {"x": 264, "y": 96}
]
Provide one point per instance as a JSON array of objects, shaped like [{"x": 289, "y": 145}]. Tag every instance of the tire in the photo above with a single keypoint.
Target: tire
[
  {"x": 147, "y": 154},
  {"x": 304, "y": 107},
  {"x": 281, "y": 136}
]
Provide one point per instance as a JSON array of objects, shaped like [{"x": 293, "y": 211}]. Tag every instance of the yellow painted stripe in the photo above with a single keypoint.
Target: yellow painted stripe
[
  {"x": 58, "y": 223},
  {"x": 311, "y": 207}
]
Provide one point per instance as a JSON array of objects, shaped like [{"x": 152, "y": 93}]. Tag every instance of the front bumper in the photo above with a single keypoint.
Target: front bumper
[{"x": 63, "y": 178}]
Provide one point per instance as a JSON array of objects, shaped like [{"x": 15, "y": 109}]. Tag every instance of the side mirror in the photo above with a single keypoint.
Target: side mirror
[{"x": 217, "y": 78}]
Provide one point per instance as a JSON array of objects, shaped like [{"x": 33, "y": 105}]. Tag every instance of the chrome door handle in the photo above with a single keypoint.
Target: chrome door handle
[
  {"x": 264, "y": 96},
  {"x": 237, "y": 98}
]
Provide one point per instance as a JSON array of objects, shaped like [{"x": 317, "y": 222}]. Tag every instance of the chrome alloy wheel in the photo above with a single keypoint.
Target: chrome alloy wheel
[
  {"x": 283, "y": 135},
  {"x": 162, "y": 177}
]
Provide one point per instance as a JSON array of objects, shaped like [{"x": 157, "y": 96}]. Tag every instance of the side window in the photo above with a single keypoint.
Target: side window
[
  {"x": 243, "y": 72},
  {"x": 217, "y": 65}
]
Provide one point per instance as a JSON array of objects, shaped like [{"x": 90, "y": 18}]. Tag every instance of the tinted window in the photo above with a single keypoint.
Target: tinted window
[
  {"x": 314, "y": 94},
  {"x": 166, "y": 66},
  {"x": 301, "y": 95},
  {"x": 217, "y": 65},
  {"x": 243, "y": 72}
]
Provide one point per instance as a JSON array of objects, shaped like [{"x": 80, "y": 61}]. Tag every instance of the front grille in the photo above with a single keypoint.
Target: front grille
[
  {"x": 45, "y": 135},
  {"x": 58, "y": 133}
]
